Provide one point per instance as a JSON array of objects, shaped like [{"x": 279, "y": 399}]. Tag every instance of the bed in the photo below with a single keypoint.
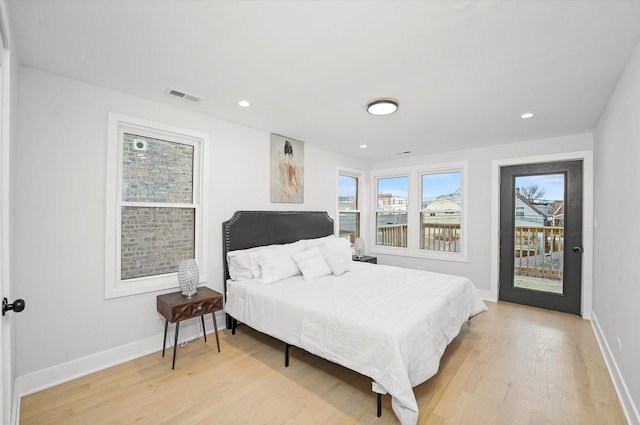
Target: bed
[{"x": 388, "y": 323}]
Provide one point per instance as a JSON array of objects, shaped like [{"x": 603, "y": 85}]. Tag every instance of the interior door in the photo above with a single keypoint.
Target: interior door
[{"x": 541, "y": 235}]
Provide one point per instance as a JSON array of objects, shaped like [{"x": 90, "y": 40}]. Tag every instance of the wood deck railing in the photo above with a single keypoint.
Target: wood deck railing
[
  {"x": 392, "y": 235},
  {"x": 440, "y": 237},
  {"x": 435, "y": 237},
  {"x": 539, "y": 251}
]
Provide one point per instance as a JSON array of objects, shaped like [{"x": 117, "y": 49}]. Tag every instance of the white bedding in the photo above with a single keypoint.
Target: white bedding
[{"x": 388, "y": 323}]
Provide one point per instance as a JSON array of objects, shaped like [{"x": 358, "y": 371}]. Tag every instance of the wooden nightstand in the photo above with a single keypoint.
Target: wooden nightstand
[
  {"x": 366, "y": 259},
  {"x": 175, "y": 307}
]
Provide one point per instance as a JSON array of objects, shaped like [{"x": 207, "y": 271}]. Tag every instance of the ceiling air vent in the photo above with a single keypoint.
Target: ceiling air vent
[{"x": 183, "y": 95}]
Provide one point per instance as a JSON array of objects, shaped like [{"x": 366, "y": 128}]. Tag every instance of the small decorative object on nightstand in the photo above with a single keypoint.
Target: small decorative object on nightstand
[
  {"x": 366, "y": 259},
  {"x": 188, "y": 277},
  {"x": 359, "y": 247}
]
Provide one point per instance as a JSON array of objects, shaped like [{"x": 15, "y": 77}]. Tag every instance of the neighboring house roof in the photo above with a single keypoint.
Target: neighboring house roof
[
  {"x": 443, "y": 203},
  {"x": 559, "y": 211},
  {"x": 531, "y": 216},
  {"x": 530, "y": 205}
]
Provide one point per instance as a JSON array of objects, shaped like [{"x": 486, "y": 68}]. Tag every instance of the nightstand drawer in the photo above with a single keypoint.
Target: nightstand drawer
[
  {"x": 175, "y": 308},
  {"x": 191, "y": 310}
]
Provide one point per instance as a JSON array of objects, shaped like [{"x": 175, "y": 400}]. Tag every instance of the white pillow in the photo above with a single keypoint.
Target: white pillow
[
  {"x": 239, "y": 263},
  {"x": 337, "y": 253},
  {"x": 312, "y": 263},
  {"x": 310, "y": 243},
  {"x": 337, "y": 264},
  {"x": 337, "y": 247},
  {"x": 276, "y": 263}
]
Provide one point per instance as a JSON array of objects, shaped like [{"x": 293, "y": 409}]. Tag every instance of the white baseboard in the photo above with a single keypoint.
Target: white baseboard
[
  {"x": 628, "y": 405},
  {"x": 486, "y": 295},
  {"x": 65, "y": 372}
]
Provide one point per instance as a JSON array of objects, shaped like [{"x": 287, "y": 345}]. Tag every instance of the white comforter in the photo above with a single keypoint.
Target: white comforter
[{"x": 388, "y": 323}]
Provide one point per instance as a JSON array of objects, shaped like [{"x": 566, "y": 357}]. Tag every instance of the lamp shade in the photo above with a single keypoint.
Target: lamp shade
[{"x": 359, "y": 247}]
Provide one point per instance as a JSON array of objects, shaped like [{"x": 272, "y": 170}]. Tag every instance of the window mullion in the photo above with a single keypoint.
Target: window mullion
[{"x": 156, "y": 205}]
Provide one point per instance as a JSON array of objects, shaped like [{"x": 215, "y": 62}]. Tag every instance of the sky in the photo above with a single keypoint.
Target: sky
[
  {"x": 433, "y": 185},
  {"x": 445, "y": 183},
  {"x": 553, "y": 185}
]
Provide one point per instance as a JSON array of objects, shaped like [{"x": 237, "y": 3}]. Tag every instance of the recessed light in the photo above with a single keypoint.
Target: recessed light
[
  {"x": 363, "y": 146},
  {"x": 244, "y": 103},
  {"x": 382, "y": 106},
  {"x": 527, "y": 115}
]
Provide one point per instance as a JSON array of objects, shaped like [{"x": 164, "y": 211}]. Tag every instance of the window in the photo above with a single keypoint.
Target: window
[
  {"x": 440, "y": 212},
  {"x": 155, "y": 205},
  {"x": 391, "y": 211},
  {"x": 421, "y": 211},
  {"x": 519, "y": 211},
  {"x": 348, "y": 210}
]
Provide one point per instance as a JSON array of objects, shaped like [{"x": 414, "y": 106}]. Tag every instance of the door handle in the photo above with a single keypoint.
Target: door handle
[
  {"x": 577, "y": 248},
  {"x": 17, "y": 306}
]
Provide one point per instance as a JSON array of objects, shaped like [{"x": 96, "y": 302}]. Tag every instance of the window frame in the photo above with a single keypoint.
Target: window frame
[
  {"x": 119, "y": 124},
  {"x": 460, "y": 167},
  {"x": 414, "y": 209},
  {"x": 386, "y": 249},
  {"x": 359, "y": 176}
]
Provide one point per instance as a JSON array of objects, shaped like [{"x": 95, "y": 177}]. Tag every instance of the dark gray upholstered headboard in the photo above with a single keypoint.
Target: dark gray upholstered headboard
[{"x": 247, "y": 229}]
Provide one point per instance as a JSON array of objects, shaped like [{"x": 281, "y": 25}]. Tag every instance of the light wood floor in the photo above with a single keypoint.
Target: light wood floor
[{"x": 510, "y": 365}]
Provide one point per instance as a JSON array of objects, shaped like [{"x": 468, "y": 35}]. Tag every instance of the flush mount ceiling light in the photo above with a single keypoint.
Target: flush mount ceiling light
[
  {"x": 382, "y": 106},
  {"x": 526, "y": 115},
  {"x": 244, "y": 103}
]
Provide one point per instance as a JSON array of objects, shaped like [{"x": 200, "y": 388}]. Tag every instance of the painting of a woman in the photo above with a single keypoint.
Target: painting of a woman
[{"x": 287, "y": 170}]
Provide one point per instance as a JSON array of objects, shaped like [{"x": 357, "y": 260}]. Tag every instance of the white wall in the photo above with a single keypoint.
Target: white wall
[
  {"x": 616, "y": 291},
  {"x": 60, "y": 167},
  {"x": 479, "y": 230}
]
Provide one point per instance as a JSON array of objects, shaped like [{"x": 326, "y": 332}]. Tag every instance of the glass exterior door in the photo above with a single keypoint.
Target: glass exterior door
[{"x": 541, "y": 235}]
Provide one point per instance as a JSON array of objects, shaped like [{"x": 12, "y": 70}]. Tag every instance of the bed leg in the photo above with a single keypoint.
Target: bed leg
[
  {"x": 228, "y": 321},
  {"x": 286, "y": 354},
  {"x": 379, "y": 404},
  {"x": 234, "y": 325}
]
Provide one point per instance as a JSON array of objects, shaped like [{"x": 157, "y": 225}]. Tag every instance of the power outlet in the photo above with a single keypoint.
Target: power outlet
[{"x": 619, "y": 341}]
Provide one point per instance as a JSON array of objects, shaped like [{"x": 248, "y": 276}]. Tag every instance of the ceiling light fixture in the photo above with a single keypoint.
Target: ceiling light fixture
[
  {"x": 244, "y": 103},
  {"x": 382, "y": 106},
  {"x": 363, "y": 146},
  {"x": 526, "y": 115}
]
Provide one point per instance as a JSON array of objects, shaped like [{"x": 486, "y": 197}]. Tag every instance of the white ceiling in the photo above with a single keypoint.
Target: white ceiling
[{"x": 463, "y": 71}]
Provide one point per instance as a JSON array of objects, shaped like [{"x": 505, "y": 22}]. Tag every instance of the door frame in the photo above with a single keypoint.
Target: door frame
[
  {"x": 587, "y": 219},
  {"x": 9, "y": 400}
]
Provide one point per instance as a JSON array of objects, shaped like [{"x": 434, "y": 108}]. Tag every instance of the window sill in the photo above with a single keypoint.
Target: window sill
[
  {"x": 405, "y": 252},
  {"x": 144, "y": 285}
]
